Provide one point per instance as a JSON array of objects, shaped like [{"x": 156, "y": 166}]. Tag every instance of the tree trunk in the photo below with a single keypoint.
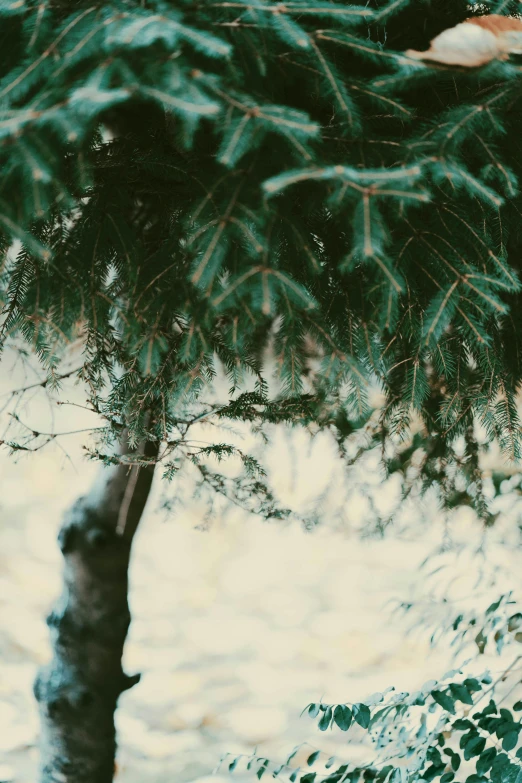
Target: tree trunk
[{"x": 78, "y": 690}]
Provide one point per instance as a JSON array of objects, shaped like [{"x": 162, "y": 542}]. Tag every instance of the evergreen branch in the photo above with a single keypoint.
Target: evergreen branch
[
  {"x": 47, "y": 52},
  {"x": 43, "y": 384},
  {"x": 336, "y": 88},
  {"x": 353, "y": 43},
  {"x": 383, "y": 98},
  {"x": 181, "y": 104},
  {"x": 295, "y": 8}
]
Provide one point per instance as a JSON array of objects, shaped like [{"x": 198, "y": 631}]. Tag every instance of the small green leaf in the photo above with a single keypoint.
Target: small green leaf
[
  {"x": 503, "y": 727},
  {"x": 461, "y": 693},
  {"x": 481, "y": 641},
  {"x": 313, "y": 757},
  {"x": 461, "y": 724},
  {"x": 313, "y": 710},
  {"x": 517, "y": 706},
  {"x": 472, "y": 684},
  {"x": 474, "y": 747},
  {"x": 510, "y": 741},
  {"x": 326, "y": 719},
  {"x": 486, "y": 760},
  {"x": 457, "y": 621},
  {"x": 501, "y": 761},
  {"x": 444, "y": 700},
  {"x": 362, "y": 715},
  {"x": 343, "y": 717},
  {"x": 489, "y": 709}
]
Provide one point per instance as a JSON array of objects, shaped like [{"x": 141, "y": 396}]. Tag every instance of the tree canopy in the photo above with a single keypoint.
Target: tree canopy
[{"x": 185, "y": 182}]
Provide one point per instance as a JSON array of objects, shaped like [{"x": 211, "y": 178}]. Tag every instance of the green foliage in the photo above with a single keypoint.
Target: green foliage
[
  {"x": 448, "y": 728},
  {"x": 186, "y": 185},
  {"x": 490, "y": 631}
]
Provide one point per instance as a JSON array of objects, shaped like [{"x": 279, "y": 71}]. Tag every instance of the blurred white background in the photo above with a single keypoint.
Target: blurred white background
[{"x": 237, "y": 626}]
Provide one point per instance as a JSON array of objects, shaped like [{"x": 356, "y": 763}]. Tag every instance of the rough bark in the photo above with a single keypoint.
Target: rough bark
[{"x": 79, "y": 689}]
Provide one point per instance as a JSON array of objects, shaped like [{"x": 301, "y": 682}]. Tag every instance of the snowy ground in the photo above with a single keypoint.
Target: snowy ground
[{"x": 235, "y": 628}]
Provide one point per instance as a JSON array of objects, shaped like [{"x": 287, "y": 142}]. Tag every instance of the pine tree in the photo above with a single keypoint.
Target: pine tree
[{"x": 190, "y": 183}]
